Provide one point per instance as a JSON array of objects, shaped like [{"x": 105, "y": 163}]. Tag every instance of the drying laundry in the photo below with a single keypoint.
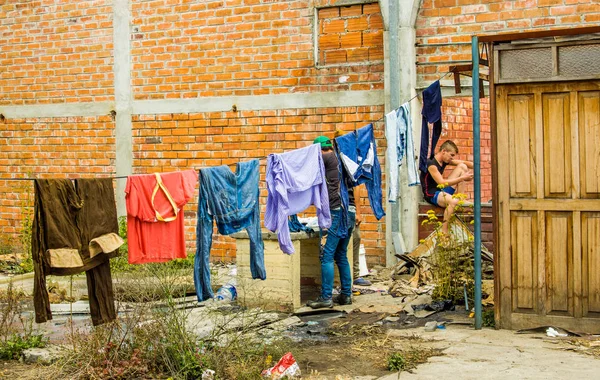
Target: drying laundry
[
  {"x": 432, "y": 114},
  {"x": 155, "y": 229},
  {"x": 231, "y": 200},
  {"x": 358, "y": 154},
  {"x": 398, "y": 132},
  {"x": 295, "y": 225},
  {"x": 75, "y": 229},
  {"x": 295, "y": 181}
]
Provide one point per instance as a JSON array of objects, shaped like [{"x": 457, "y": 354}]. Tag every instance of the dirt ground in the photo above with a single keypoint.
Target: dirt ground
[{"x": 12, "y": 369}]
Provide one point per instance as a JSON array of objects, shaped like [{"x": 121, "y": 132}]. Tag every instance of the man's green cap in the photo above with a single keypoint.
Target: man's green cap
[{"x": 324, "y": 141}]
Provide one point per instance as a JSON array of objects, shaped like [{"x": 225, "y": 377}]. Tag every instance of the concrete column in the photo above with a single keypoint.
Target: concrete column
[
  {"x": 123, "y": 98},
  {"x": 409, "y": 196},
  {"x": 402, "y": 218}
]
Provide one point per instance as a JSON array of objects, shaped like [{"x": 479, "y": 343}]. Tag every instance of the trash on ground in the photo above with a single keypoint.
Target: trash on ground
[
  {"x": 208, "y": 374},
  {"x": 286, "y": 367},
  {"x": 413, "y": 274},
  {"x": 544, "y": 330},
  {"x": 551, "y": 332},
  {"x": 226, "y": 292},
  {"x": 431, "y": 326}
]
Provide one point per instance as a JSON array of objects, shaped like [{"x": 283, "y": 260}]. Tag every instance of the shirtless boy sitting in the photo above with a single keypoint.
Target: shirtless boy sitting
[{"x": 431, "y": 179}]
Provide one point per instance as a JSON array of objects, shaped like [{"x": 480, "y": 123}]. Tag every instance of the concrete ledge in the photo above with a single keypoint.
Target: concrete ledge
[
  {"x": 260, "y": 102},
  {"x": 19, "y": 277},
  {"x": 268, "y": 235},
  {"x": 57, "y": 110}
]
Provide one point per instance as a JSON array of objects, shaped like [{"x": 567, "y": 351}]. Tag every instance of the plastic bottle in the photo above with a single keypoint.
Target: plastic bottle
[{"x": 226, "y": 292}]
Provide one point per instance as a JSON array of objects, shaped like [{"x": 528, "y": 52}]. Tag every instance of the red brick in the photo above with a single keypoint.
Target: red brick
[
  {"x": 376, "y": 21},
  {"x": 357, "y": 23},
  {"x": 335, "y": 56},
  {"x": 326, "y": 13},
  {"x": 329, "y": 41},
  {"x": 334, "y": 26},
  {"x": 351, "y": 10},
  {"x": 371, "y": 8},
  {"x": 372, "y": 39},
  {"x": 351, "y": 40},
  {"x": 358, "y": 55}
]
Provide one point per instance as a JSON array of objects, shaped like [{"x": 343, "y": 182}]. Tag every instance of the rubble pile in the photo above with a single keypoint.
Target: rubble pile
[{"x": 413, "y": 275}]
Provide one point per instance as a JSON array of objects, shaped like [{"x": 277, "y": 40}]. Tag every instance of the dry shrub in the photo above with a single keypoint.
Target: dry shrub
[{"x": 153, "y": 339}]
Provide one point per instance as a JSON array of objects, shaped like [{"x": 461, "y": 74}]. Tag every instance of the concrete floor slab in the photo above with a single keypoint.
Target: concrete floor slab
[{"x": 497, "y": 354}]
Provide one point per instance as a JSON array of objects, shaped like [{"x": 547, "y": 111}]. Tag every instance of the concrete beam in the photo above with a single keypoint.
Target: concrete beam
[
  {"x": 57, "y": 110},
  {"x": 261, "y": 102}
]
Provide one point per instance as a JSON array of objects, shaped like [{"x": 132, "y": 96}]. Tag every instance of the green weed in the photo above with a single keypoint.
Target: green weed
[
  {"x": 396, "y": 362},
  {"x": 488, "y": 318},
  {"x": 13, "y": 347}
]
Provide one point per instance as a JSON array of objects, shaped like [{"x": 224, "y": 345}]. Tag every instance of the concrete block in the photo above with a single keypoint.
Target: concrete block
[{"x": 285, "y": 273}]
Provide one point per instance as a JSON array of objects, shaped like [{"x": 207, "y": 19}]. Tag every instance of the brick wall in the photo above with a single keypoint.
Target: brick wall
[
  {"x": 55, "y": 51},
  {"x": 457, "y": 125},
  {"x": 186, "y": 49},
  {"x": 181, "y": 141},
  {"x": 61, "y": 51},
  {"x": 455, "y": 21},
  {"x": 48, "y": 148},
  {"x": 350, "y": 34}
]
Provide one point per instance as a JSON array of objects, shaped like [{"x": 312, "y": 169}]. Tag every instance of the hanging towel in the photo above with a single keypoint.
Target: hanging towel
[
  {"x": 155, "y": 229},
  {"x": 358, "y": 154},
  {"x": 432, "y": 113},
  {"x": 69, "y": 219},
  {"x": 398, "y": 132},
  {"x": 231, "y": 200},
  {"x": 295, "y": 180}
]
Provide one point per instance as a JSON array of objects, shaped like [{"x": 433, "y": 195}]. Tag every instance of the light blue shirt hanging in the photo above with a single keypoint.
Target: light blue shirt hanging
[{"x": 399, "y": 135}]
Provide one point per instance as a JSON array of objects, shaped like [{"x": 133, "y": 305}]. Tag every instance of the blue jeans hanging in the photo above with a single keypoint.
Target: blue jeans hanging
[{"x": 231, "y": 200}]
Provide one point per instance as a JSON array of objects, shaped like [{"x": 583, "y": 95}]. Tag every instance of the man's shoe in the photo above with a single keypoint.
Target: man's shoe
[
  {"x": 343, "y": 299},
  {"x": 320, "y": 303},
  {"x": 362, "y": 282}
]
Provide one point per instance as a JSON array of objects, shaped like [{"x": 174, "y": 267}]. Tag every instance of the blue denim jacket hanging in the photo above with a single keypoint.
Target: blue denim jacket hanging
[
  {"x": 231, "y": 200},
  {"x": 357, "y": 156}
]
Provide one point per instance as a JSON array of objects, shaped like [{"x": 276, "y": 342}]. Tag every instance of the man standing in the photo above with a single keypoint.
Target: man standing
[
  {"x": 336, "y": 245},
  {"x": 433, "y": 178}
]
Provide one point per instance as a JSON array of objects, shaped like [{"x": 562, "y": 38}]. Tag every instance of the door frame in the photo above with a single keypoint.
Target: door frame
[{"x": 502, "y": 306}]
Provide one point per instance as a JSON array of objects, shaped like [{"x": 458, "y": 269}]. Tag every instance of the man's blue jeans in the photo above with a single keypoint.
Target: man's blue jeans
[{"x": 335, "y": 249}]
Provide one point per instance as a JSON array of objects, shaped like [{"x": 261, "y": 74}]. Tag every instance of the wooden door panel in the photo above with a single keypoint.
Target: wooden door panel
[
  {"x": 524, "y": 261},
  {"x": 589, "y": 143},
  {"x": 522, "y": 142},
  {"x": 559, "y": 262},
  {"x": 548, "y": 147},
  {"x": 557, "y": 145},
  {"x": 590, "y": 246}
]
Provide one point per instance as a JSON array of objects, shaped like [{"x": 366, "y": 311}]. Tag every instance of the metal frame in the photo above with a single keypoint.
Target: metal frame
[{"x": 554, "y": 47}]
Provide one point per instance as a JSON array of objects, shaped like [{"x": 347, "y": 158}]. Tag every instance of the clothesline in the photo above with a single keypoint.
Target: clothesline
[
  {"x": 124, "y": 177},
  {"x": 418, "y": 93},
  {"x": 33, "y": 179}
]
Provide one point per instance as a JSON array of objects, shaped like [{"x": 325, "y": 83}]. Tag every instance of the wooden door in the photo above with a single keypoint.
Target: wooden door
[{"x": 548, "y": 160}]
